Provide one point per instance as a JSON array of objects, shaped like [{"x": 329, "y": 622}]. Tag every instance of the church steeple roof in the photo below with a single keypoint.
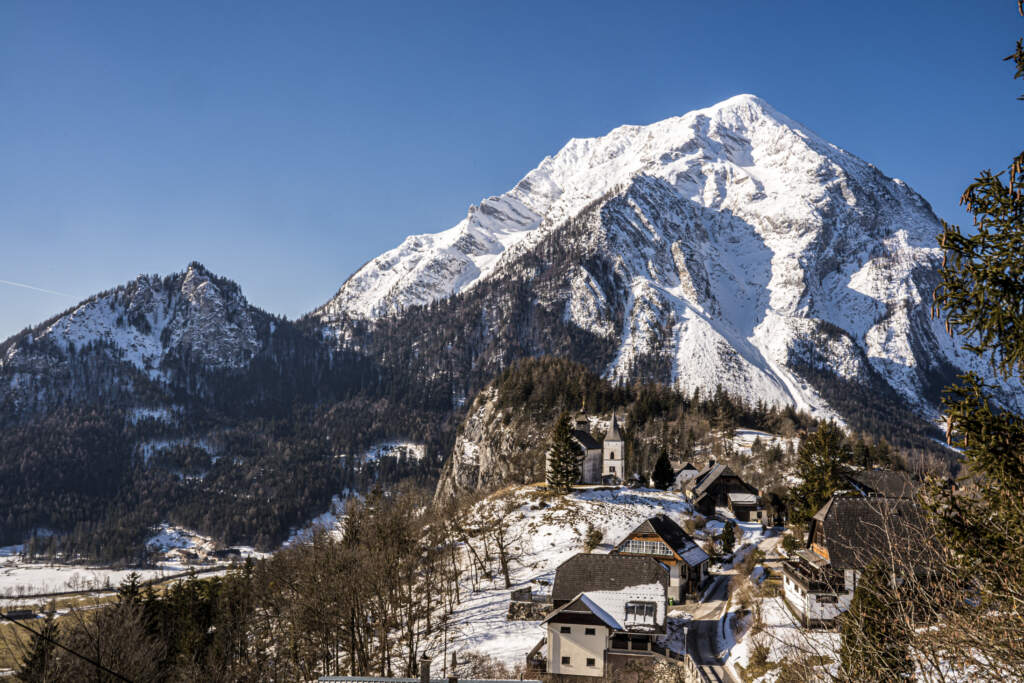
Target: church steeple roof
[{"x": 613, "y": 430}]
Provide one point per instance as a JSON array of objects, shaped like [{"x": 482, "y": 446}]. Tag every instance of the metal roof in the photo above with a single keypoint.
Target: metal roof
[
  {"x": 613, "y": 430},
  {"x": 585, "y": 572}
]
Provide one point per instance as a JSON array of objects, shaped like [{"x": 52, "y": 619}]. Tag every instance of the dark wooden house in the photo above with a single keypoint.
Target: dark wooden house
[
  {"x": 846, "y": 535},
  {"x": 717, "y": 486},
  {"x": 662, "y": 539}
]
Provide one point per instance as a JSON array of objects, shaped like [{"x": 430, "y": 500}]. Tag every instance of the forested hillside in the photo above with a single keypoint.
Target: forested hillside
[{"x": 507, "y": 430}]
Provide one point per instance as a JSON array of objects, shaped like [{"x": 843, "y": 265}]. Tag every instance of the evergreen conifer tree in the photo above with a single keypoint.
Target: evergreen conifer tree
[
  {"x": 981, "y": 296},
  {"x": 819, "y": 465},
  {"x": 41, "y": 661},
  {"x": 564, "y": 457},
  {"x": 728, "y": 537},
  {"x": 875, "y": 641},
  {"x": 130, "y": 589},
  {"x": 663, "y": 476}
]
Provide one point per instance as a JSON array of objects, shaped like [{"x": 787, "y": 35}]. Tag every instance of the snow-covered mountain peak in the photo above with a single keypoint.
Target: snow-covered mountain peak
[
  {"x": 743, "y": 245},
  {"x": 740, "y": 155}
]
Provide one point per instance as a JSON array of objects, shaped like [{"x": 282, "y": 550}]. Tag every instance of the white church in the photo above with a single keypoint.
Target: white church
[{"x": 602, "y": 462}]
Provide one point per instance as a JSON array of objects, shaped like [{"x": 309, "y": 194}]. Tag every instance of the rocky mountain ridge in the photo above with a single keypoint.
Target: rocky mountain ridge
[
  {"x": 139, "y": 327},
  {"x": 736, "y": 246}
]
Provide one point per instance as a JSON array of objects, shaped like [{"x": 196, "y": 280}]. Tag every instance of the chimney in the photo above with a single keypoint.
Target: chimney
[{"x": 424, "y": 668}]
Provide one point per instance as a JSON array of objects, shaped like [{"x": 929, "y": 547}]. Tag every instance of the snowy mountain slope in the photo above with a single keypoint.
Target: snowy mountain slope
[
  {"x": 150, "y": 316},
  {"x": 139, "y": 329},
  {"x": 741, "y": 247}
]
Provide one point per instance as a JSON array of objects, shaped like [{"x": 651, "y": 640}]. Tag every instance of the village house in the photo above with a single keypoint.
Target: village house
[
  {"x": 717, "y": 486},
  {"x": 608, "y": 609},
  {"x": 684, "y": 476},
  {"x": 844, "y": 537},
  {"x": 891, "y": 483},
  {"x": 602, "y": 460},
  {"x": 662, "y": 539}
]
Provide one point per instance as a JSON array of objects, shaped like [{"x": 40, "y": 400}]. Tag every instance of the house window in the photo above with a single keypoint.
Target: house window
[
  {"x": 565, "y": 629},
  {"x": 640, "y": 611},
  {"x": 589, "y": 632},
  {"x": 827, "y": 599},
  {"x": 565, "y": 660},
  {"x": 611, "y": 456},
  {"x": 591, "y": 661},
  {"x": 645, "y": 548},
  {"x": 611, "y": 469}
]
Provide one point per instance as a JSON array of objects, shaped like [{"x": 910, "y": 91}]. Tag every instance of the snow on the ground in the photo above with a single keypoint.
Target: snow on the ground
[
  {"x": 331, "y": 521},
  {"x": 784, "y": 637},
  {"x": 169, "y": 536},
  {"x": 150, "y": 448},
  {"x": 159, "y": 414},
  {"x": 178, "y": 546},
  {"x": 22, "y": 578},
  {"x": 395, "y": 449},
  {"x": 743, "y": 439},
  {"x": 747, "y": 534},
  {"x": 176, "y": 549},
  {"x": 549, "y": 536}
]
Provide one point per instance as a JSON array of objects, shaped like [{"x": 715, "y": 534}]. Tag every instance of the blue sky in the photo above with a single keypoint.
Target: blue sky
[{"x": 285, "y": 144}]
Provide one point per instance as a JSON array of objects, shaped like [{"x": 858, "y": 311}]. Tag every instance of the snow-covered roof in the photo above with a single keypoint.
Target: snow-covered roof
[
  {"x": 610, "y": 606},
  {"x": 685, "y": 474}
]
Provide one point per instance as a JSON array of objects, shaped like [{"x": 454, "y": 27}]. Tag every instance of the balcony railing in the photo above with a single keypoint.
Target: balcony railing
[{"x": 816, "y": 580}]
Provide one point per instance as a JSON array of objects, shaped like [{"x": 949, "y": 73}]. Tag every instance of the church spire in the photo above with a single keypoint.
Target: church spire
[{"x": 613, "y": 430}]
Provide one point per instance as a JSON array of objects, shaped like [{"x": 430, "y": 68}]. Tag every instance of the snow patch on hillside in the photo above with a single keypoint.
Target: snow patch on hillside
[
  {"x": 147, "y": 449},
  {"x": 332, "y": 521},
  {"x": 165, "y": 414},
  {"x": 395, "y": 449}
]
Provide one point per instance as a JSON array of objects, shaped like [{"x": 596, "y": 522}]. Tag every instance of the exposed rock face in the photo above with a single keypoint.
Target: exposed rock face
[
  {"x": 728, "y": 246},
  {"x": 493, "y": 448}
]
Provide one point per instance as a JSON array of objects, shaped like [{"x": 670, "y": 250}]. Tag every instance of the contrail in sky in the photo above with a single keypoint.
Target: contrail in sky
[{"x": 38, "y": 289}]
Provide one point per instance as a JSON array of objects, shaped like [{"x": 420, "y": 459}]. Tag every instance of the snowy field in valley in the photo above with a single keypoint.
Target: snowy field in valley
[
  {"x": 21, "y": 578},
  {"x": 176, "y": 550}
]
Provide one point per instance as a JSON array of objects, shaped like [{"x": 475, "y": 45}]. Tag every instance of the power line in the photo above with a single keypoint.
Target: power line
[{"x": 64, "y": 647}]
